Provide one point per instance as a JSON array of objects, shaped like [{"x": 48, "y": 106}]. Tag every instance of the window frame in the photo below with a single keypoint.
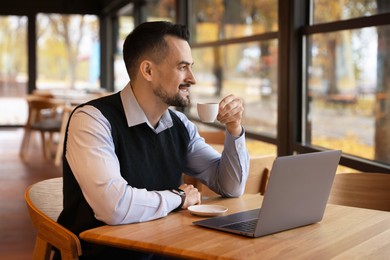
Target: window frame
[
  {"x": 291, "y": 78},
  {"x": 305, "y": 29}
]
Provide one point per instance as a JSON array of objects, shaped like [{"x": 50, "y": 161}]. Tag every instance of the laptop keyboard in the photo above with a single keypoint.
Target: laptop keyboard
[{"x": 246, "y": 226}]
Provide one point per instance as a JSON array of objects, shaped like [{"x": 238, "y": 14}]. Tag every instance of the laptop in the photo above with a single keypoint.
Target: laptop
[{"x": 296, "y": 195}]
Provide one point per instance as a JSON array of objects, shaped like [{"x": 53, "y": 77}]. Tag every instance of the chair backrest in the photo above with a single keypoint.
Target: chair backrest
[
  {"x": 259, "y": 171},
  {"x": 44, "y": 203},
  {"x": 363, "y": 190},
  {"x": 43, "y": 93},
  {"x": 37, "y": 105},
  {"x": 43, "y": 117},
  {"x": 213, "y": 137}
]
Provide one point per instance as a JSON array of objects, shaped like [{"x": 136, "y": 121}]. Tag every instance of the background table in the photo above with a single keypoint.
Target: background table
[{"x": 344, "y": 232}]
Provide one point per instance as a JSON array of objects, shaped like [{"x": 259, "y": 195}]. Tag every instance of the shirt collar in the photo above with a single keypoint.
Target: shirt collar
[{"x": 135, "y": 115}]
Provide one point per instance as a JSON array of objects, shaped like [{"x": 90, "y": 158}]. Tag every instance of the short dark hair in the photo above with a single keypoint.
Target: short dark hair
[{"x": 148, "y": 38}]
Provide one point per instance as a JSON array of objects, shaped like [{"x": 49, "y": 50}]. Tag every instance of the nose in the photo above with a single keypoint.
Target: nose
[{"x": 191, "y": 77}]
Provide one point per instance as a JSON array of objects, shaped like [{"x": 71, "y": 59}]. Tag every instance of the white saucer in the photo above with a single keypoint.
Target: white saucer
[{"x": 207, "y": 210}]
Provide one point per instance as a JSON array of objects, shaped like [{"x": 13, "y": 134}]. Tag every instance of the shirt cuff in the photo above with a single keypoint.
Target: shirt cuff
[
  {"x": 173, "y": 201},
  {"x": 239, "y": 143},
  {"x": 234, "y": 138}
]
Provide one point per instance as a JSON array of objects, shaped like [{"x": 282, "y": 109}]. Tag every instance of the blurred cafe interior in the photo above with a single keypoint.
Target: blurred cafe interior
[{"x": 314, "y": 75}]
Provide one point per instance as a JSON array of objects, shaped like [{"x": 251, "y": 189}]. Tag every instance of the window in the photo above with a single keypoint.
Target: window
[
  {"x": 68, "y": 52},
  {"x": 247, "y": 70},
  {"x": 235, "y": 50},
  {"x": 147, "y": 11},
  {"x": 235, "y": 47},
  {"x": 218, "y": 20},
  {"x": 160, "y": 10},
  {"x": 125, "y": 25},
  {"x": 347, "y": 90},
  {"x": 325, "y": 11},
  {"x": 13, "y": 70}
]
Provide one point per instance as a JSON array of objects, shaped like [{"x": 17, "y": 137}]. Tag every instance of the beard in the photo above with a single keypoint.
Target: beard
[{"x": 176, "y": 100}]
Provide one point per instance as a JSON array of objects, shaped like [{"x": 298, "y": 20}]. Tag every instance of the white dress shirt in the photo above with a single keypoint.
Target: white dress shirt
[{"x": 91, "y": 155}]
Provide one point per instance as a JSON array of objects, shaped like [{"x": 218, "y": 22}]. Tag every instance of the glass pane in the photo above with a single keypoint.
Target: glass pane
[
  {"x": 215, "y": 20},
  {"x": 68, "y": 51},
  {"x": 335, "y": 10},
  {"x": 126, "y": 25},
  {"x": 13, "y": 70},
  {"x": 349, "y": 91},
  {"x": 247, "y": 70},
  {"x": 160, "y": 10}
]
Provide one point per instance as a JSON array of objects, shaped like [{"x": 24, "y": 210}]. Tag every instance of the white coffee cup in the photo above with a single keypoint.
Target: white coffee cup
[{"x": 208, "y": 111}]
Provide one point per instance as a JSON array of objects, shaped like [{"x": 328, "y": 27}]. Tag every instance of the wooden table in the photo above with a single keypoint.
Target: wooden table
[
  {"x": 71, "y": 96},
  {"x": 344, "y": 233}
]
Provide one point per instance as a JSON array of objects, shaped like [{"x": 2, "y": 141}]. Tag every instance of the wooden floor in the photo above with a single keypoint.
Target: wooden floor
[{"x": 16, "y": 232}]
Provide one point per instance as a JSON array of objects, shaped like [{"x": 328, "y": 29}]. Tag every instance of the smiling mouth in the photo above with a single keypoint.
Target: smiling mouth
[{"x": 185, "y": 89}]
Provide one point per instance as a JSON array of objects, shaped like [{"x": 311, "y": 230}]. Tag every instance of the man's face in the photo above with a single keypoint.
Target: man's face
[{"x": 174, "y": 75}]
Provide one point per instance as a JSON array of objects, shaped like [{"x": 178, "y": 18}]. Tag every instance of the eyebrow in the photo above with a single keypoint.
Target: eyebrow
[{"x": 186, "y": 63}]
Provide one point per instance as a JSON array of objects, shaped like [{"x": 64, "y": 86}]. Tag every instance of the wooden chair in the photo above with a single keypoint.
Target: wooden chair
[
  {"x": 259, "y": 171},
  {"x": 44, "y": 203},
  {"x": 43, "y": 93},
  {"x": 363, "y": 190},
  {"x": 42, "y": 118},
  {"x": 213, "y": 137}
]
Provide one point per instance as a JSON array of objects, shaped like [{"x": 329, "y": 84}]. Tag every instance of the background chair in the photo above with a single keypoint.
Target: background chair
[
  {"x": 363, "y": 190},
  {"x": 43, "y": 93},
  {"x": 43, "y": 118},
  {"x": 259, "y": 171},
  {"x": 213, "y": 137},
  {"x": 44, "y": 203}
]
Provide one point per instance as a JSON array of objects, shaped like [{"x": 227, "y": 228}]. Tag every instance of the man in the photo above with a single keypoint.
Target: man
[{"x": 124, "y": 154}]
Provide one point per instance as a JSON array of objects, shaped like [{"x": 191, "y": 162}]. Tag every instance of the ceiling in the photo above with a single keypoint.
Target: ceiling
[{"x": 30, "y": 7}]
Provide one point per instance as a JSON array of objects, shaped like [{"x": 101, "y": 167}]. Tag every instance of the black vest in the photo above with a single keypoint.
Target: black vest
[{"x": 147, "y": 160}]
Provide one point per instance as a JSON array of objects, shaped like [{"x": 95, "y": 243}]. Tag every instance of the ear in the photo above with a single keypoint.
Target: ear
[{"x": 146, "y": 69}]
